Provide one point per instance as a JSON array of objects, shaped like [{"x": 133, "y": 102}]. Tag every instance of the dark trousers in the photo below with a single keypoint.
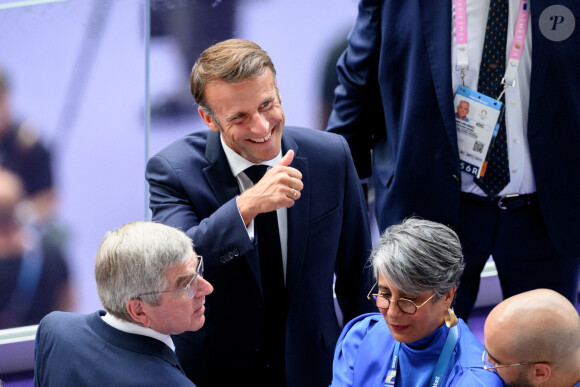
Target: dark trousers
[{"x": 521, "y": 248}]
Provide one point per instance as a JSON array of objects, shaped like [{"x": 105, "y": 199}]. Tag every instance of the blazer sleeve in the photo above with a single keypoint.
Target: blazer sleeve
[
  {"x": 357, "y": 112},
  {"x": 220, "y": 235}
]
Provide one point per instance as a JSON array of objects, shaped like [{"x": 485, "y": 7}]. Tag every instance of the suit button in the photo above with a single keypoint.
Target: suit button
[
  {"x": 230, "y": 256},
  {"x": 223, "y": 259},
  {"x": 236, "y": 252}
]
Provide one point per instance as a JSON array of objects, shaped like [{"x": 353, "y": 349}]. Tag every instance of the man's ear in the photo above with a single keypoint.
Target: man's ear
[
  {"x": 542, "y": 372},
  {"x": 137, "y": 312},
  {"x": 208, "y": 119}
]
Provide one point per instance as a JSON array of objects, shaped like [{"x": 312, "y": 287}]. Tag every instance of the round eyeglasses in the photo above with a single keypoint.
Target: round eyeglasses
[
  {"x": 406, "y": 306},
  {"x": 493, "y": 368},
  {"x": 191, "y": 287}
]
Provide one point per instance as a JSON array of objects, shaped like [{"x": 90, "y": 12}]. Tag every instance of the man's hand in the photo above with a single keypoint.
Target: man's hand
[{"x": 280, "y": 187}]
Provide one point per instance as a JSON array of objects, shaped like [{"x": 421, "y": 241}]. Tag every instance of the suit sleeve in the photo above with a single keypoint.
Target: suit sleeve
[
  {"x": 219, "y": 236},
  {"x": 353, "y": 274},
  {"x": 357, "y": 112}
]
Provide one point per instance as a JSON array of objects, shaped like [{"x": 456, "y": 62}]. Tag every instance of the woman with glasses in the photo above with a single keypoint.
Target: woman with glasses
[{"x": 416, "y": 340}]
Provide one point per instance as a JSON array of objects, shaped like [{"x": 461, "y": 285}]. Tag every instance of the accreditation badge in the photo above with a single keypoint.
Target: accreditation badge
[
  {"x": 476, "y": 120},
  {"x": 390, "y": 379}
]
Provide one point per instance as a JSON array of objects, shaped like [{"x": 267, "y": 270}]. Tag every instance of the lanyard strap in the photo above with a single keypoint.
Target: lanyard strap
[
  {"x": 516, "y": 50},
  {"x": 440, "y": 367},
  {"x": 443, "y": 362},
  {"x": 392, "y": 373}
]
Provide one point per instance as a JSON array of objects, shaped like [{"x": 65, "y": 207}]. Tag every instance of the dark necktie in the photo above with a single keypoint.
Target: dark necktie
[
  {"x": 270, "y": 254},
  {"x": 491, "y": 73}
]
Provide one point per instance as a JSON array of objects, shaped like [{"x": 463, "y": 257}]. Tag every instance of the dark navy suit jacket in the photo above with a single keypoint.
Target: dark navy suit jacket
[
  {"x": 192, "y": 188},
  {"x": 82, "y": 350},
  {"x": 395, "y": 97}
]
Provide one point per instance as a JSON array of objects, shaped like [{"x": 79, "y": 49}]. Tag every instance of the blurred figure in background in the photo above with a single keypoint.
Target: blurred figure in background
[
  {"x": 22, "y": 153},
  {"x": 34, "y": 278}
]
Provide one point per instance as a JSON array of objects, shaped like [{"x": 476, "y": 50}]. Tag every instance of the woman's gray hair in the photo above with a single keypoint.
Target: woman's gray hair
[
  {"x": 133, "y": 259},
  {"x": 419, "y": 255}
]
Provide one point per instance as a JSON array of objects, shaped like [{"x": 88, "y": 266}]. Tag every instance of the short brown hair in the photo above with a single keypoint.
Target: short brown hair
[{"x": 231, "y": 60}]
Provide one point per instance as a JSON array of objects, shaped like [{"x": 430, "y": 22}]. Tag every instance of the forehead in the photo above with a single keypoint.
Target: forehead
[
  {"x": 224, "y": 97},
  {"x": 385, "y": 283},
  {"x": 182, "y": 269}
]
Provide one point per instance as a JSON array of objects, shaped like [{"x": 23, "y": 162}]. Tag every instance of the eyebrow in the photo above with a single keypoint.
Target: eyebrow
[{"x": 383, "y": 288}]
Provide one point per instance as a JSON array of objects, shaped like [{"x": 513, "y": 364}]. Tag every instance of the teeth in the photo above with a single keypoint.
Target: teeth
[{"x": 263, "y": 139}]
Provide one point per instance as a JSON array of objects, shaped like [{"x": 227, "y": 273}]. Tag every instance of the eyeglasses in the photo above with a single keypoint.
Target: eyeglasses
[
  {"x": 191, "y": 287},
  {"x": 493, "y": 368},
  {"x": 406, "y": 306}
]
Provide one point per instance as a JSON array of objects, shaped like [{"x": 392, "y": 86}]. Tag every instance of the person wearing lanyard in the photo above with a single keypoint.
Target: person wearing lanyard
[
  {"x": 417, "y": 341},
  {"x": 407, "y": 56}
]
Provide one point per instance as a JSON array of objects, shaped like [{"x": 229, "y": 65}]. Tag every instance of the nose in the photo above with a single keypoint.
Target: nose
[
  {"x": 394, "y": 310},
  {"x": 260, "y": 124},
  {"x": 203, "y": 287}
]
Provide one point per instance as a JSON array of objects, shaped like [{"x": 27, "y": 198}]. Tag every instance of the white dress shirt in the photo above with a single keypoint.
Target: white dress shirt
[
  {"x": 238, "y": 164},
  {"x": 516, "y": 98},
  {"x": 135, "y": 329}
]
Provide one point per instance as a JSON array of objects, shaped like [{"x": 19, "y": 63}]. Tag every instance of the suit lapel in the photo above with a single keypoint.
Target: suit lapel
[
  {"x": 218, "y": 173},
  {"x": 436, "y": 25},
  {"x": 225, "y": 187},
  {"x": 298, "y": 216}
]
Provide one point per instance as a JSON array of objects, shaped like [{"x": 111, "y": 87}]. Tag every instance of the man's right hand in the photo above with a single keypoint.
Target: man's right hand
[{"x": 280, "y": 187}]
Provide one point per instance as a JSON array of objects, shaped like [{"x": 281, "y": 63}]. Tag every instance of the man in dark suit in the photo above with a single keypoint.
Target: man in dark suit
[
  {"x": 403, "y": 57},
  {"x": 150, "y": 282},
  {"x": 272, "y": 320}
]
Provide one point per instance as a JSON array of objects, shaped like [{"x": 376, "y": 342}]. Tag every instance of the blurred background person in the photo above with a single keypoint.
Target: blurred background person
[
  {"x": 22, "y": 152},
  {"x": 533, "y": 339},
  {"x": 417, "y": 341},
  {"x": 34, "y": 277}
]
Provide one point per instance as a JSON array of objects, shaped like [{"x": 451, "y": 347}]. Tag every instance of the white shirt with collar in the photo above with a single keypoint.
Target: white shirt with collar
[
  {"x": 135, "y": 329},
  {"x": 516, "y": 98},
  {"x": 238, "y": 164}
]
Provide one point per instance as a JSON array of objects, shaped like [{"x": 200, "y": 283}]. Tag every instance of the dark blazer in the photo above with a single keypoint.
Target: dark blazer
[
  {"x": 192, "y": 188},
  {"x": 82, "y": 350},
  {"x": 395, "y": 97}
]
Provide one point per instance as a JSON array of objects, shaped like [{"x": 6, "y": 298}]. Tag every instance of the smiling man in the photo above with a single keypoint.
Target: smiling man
[
  {"x": 273, "y": 241},
  {"x": 150, "y": 283}
]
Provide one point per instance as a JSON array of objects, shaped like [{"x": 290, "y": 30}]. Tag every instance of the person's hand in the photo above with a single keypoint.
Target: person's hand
[{"x": 280, "y": 187}]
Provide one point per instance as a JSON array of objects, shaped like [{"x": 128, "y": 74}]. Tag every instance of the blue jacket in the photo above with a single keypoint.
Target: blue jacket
[
  {"x": 192, "y": 188},
  {"x": 365, "y": 350},
  {"x": 82, "y": 350}
]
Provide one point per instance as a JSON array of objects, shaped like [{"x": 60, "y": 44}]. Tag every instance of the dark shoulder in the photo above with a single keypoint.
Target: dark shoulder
[
  {"x": 61, "y": 321},
  {"x": 317, "y": 142},
  {"x": 192, "y": 141}
]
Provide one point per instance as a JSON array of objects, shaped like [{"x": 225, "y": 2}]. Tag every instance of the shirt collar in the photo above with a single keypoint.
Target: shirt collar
[
  {"x": 133, "y": 328},
  {"x": 239, "y": 164}
]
